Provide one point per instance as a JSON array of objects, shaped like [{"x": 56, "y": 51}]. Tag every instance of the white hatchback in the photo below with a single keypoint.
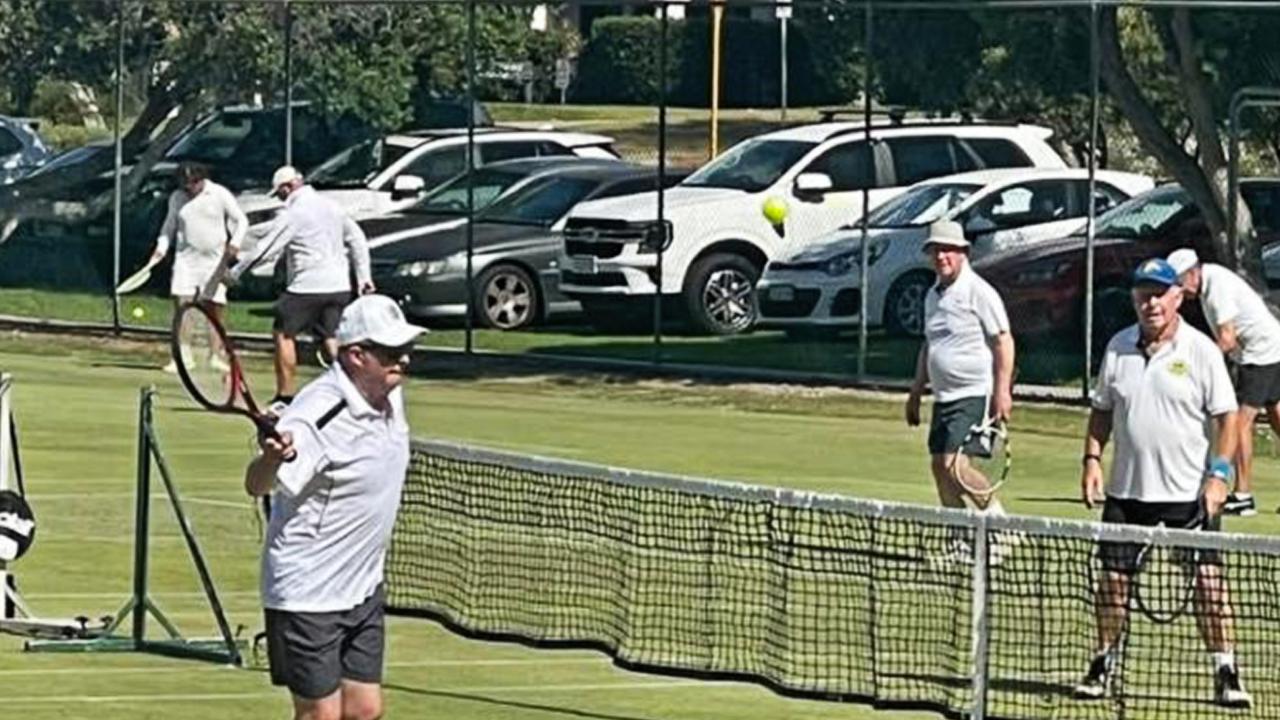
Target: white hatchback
[{"x": 820, "y": 286}]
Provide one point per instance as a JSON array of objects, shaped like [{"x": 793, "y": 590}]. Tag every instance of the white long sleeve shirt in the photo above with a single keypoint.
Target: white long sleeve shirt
[
  {"x": 320, "y": 244},
  {"x": 200, "y": 228}
]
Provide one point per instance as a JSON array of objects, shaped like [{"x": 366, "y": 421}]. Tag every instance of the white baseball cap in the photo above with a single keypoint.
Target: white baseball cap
[
  {"x": 376, "y": 319},
  {"x": 946, "y": 232},
  {"x": 1183, "y": 260},
  {"x": 283, "y": 175}
]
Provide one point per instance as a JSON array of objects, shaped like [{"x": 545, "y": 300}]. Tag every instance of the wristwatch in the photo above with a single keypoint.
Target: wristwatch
[{"x": 1090, "y": 456}]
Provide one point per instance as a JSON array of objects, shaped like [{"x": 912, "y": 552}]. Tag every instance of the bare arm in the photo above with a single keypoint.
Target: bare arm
[
  {"x": 1228, "y": 342},
  {"x": 917, "y": 387},
  {"x": 1002, "y": 398},
  {"x": 1095, "y": 441},
  {"x": 260, "y": 475},
  {"x": 1219, "y": 473},
  {"x": 167, "y": 231}
]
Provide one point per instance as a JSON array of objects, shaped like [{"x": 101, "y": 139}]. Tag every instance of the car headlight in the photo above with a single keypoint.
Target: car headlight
[
  {"x": 1042, "y": 273},
  {"x": 848, "y": 261},
  {"x": 418, "y": 268}
]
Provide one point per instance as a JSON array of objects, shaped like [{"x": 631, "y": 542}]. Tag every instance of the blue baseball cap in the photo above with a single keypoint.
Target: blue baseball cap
[{"x": 1156, "y": 271}]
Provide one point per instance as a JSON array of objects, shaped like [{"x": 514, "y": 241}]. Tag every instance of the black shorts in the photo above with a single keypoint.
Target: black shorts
[
  {"x": 317, "y": 314},
  {"x": 951, "y": 422},
  {"x": 1258, "y": 386},
  {"x": 312, "y": 653},
  {"x": 1123, "y": 557}
]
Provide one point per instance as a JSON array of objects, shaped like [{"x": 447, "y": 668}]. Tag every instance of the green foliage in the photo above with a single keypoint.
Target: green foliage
[{"x": 620, "y": 63}]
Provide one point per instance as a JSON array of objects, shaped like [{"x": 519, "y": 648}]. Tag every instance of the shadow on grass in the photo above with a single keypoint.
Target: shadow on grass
[{"x": 468, "y": 697}]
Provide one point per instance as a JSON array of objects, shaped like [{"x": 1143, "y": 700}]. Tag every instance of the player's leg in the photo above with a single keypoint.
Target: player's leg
[
  {"x": 286, "y": 364},
  {"x": 172, "y": 366},
  {"x": 364, "y": 645},
  {"x": 1111, "y": 601},
  {"x": 1215, "y": 620},
  {"x": 329, "y": 317},
  {"x": 294, "y": 315},
  {"x": 304, "y": 654},
  {"x": 948, "y": 491},
  {"x": 1240, "y": 501}
]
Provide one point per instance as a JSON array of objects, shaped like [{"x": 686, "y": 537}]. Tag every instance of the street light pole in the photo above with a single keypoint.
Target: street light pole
[{"x": 717, "y": 16}]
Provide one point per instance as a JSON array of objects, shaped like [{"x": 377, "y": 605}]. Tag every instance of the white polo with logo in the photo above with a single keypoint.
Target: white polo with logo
[
  {"x": 1228, "y": 298},
  {"x": 335, "y": 504},
  {"x": 1161, "y": 409},
  {"x": 959, "y": 323}
]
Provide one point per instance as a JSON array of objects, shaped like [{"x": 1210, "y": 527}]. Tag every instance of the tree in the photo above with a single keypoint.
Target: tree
[
  {"x": 1205, "y": 55},
  {"x": 362, "y": 60}
]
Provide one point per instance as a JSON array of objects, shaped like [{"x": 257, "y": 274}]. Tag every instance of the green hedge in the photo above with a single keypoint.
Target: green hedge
[{"x": 619, "y": 64}]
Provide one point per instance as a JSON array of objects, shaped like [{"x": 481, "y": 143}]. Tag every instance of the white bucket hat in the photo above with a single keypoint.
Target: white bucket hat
[{"x": 946, "y": 232}]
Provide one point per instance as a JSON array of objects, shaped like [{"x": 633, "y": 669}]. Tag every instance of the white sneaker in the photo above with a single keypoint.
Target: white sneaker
[
  {"x": 958, "y": 552},
  {"x": 171, "y": 368},
  {"x": 219, "y": 364}
]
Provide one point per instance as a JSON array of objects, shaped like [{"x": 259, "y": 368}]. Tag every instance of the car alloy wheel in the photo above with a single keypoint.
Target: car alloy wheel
[
  {"x": 729, "y": 300},
  {"x": 509, "y": 300}
]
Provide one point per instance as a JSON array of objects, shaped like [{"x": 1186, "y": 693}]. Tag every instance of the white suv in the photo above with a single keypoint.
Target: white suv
[{"x": 718, "y": 240}]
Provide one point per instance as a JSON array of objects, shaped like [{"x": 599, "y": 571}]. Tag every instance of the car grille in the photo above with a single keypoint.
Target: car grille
[
  {"x": 608, "y": 279},
  {"x": 602, "y": 250},
  {"x": 801, "y": 306},
  {"x": 848, "y": 302}
]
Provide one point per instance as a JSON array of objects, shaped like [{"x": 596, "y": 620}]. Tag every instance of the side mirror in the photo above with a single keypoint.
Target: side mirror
[
  {"x": 812, "y": 186},
  {"x": 407, "y": 186}
]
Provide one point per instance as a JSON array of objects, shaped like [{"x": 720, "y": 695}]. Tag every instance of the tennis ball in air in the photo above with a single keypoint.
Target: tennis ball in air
[
  {"x": 775, "y": 210},
  {"x": 139, "y": 313}
]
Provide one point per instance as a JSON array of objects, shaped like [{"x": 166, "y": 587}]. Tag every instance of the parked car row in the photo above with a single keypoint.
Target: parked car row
[{"x": 561, "y": 224}]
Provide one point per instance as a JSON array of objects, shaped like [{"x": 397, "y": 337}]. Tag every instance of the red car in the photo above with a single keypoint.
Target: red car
[{"x": 1043, "y": 285}]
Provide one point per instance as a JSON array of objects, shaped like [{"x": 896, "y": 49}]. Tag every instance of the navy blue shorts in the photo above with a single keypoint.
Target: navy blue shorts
[{"x": 312, "y": 653}]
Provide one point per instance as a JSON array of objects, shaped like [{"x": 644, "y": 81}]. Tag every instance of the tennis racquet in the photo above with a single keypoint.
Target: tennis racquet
[
  {"x": 138, "y": 279},
  {"x": 1164, "y": 578},
  {"x": 986, "y": 449},
  {"x": 210, "y": 370}
]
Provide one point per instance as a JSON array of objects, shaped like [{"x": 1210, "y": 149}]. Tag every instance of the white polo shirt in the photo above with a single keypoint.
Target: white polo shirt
[
  {"x": 200, "y": 227},
  {"x": 959, "y": 323},
  {"x": 334, "y": 506},
  {"x": 1228, "y": 298},
  {"x": 1161, "y": 409}
]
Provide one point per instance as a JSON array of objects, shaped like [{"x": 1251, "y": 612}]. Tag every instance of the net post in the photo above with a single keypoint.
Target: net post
[
  {"x": 142, "y": 514},
  {"x": 981, "y": 614}
]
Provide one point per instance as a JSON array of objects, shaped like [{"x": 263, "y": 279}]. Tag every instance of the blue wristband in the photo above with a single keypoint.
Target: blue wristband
[{"x": 1220, "y": 468}]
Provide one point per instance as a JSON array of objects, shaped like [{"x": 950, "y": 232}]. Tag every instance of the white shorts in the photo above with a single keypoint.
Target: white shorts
[{"x": 188, "y": 280}]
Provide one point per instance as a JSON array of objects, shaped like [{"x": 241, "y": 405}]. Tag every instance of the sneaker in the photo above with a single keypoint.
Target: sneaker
[
  {"x": 1242, "y": 505},
  {"x": 1228, "y": 691},
  {"x": 219, "y": 364},
  {"x": 1094, "y": 684},
  {"x": 171, "y": 368}
]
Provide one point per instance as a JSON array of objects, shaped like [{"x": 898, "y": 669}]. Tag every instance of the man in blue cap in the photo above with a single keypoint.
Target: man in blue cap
[{"x": 1162, "y": 385}]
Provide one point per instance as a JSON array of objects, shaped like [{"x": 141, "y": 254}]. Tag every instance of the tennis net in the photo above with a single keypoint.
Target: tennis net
[{"x": 822, "y": 596}]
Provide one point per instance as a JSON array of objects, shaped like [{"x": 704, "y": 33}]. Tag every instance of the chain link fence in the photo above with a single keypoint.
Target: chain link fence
[{"x": 779, "y": 163}]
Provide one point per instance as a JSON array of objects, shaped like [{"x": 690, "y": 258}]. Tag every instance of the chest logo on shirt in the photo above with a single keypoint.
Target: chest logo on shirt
[{"x": 1179, "y": 368}]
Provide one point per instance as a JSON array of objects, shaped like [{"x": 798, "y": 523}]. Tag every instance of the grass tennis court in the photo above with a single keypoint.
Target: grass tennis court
[{"x": 76, "y": 402}]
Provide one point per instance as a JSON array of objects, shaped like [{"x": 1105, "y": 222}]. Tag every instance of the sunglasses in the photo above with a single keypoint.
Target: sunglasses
[{"x": 387, "y": 355}]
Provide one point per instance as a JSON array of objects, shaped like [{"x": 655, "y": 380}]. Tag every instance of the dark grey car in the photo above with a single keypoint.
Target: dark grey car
[
  {"x": 22, "y": 150},
  {"x": 516, "y": 243}
]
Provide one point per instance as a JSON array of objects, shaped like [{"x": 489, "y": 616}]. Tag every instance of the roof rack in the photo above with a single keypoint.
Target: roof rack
[{"x": 896, "y": 115}]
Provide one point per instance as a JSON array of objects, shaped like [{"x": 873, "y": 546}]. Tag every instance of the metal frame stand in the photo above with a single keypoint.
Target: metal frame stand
[
  {"x": 224, "y": 649},
  {"x": 17, "y": 616}
]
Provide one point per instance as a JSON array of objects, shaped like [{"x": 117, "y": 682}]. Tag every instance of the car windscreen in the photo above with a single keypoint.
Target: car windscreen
[
  {"x": 356, "y": 166},
  {"x": 1142, "y": 216},
  {"x": 921, "y": 205},
  {"x": 541, "y": 202},
  {"x": 488, "y": 184},
  {"x": 751, "y": 165}
]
